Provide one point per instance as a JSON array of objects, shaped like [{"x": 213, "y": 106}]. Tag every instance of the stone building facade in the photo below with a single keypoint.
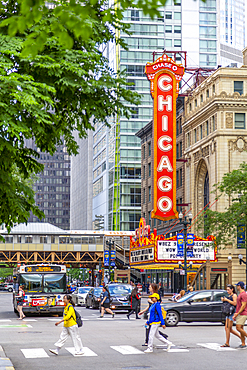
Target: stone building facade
[{"x": 215, "y": 138}]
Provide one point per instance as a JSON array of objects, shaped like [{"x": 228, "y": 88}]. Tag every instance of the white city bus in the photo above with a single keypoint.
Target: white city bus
[{"x": 44, "y": 287}]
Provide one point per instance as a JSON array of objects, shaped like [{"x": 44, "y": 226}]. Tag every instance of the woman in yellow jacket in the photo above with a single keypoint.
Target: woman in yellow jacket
[{"x": 70, "y": 328}]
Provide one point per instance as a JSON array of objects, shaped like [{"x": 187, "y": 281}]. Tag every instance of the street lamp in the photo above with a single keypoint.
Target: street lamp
[{"x": 185, "y": 222}]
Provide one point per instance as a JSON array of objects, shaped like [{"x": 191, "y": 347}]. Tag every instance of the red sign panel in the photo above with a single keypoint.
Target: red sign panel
[{"x": 164, "y": 75}]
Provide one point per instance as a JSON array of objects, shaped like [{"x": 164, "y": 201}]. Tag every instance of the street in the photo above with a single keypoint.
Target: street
[{"x": 113, "y": 343}]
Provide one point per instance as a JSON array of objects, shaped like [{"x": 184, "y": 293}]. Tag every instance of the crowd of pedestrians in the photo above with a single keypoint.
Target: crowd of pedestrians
[{"x": 235, "y": 308}]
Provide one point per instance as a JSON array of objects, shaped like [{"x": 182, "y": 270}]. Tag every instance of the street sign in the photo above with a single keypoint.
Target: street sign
[
  {"x": 113, "y": 259},
  {"x": 182, "y": 272},
  {"x": 241, "y": 236},
  {"x": 106, "y": 258}
]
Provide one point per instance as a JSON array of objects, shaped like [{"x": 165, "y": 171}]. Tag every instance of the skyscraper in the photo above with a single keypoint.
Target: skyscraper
[
  {"x": 192, "y": 26},
  {"x": 53, "y": 187}
]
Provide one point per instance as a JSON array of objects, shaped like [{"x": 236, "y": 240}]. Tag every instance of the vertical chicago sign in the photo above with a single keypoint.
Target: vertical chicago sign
[{"x": 164, "y": 75}]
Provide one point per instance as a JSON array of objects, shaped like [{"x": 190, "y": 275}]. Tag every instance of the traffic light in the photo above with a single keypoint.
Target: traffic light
[
  {"x": 100, "y": 271},
  {"x": 89, "y": 271}
]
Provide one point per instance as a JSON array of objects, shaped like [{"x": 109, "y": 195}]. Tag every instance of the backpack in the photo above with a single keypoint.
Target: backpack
[
  {"x": 227, "y": 309},
  {"x": 163, "y": 311},
  {"x": 78, "y": 318}
]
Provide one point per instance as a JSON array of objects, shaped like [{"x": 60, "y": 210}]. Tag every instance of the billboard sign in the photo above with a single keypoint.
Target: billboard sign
[{"x": 164, "y": 75}]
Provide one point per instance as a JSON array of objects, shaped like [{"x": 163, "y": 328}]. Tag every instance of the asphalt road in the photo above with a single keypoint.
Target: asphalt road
[{"x": 113, "y": 344}]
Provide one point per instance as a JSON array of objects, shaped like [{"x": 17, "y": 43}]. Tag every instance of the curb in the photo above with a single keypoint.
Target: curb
[{"x": 5, "y": 363}]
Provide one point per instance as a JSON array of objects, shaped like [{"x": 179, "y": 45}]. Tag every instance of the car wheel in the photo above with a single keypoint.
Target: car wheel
[
  {"x": 172, "y": 318},
  {"x": 10, "y": 290}
]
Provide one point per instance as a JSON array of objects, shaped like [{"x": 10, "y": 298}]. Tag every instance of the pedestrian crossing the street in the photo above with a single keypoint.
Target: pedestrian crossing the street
[{"x": 125, "y": 350}]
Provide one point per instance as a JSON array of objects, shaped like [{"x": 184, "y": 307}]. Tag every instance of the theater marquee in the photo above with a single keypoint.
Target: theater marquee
[{"x": 164, "y": 75}]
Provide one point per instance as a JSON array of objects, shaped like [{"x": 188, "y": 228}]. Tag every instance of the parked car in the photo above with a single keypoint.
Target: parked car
[
  {"x": 9, "y": 287},
  {"x": 93, "y": 298},
  {"x": 120, "y": 296},
  {"x": 79, "y": 295},
  {"x": 2, "y": 286},
  {"x": 201, "y": 305}
]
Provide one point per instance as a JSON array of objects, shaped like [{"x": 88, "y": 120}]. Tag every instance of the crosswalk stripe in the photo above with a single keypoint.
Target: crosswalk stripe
[
  {"x": 34, "y": 353},
  {"x": 127, "y": 350},
  {"x": 87, "y": 351},
  {"x": 216, "y": 347},
  {"x": 15, "y": 326},
  {"x": 27, "y": 320},
  {"x": 172, "y": 350},
  {"x": 5, "y": 320}
]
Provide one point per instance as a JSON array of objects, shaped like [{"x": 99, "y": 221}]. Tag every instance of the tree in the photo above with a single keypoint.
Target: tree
[
  {"x": 225, "y": 225},
  {"x": 47, "y": 97}
]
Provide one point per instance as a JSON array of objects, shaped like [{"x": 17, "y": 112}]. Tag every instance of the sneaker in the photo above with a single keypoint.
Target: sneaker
[
  {"x": 169, "y": 347},
  {"x": 148, "y": 350},
  {"x": 101, "y": 317},
  {"x": 113, "y": 315},
  {"x": 241, "y": 346},
  {"x": 128, "y": 317},
  {"x": 79, "y": 353},
  {"x": 54, "y": 351}
]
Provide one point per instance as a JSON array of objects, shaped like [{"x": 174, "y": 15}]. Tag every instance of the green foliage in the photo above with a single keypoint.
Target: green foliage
[
  {"x": 48, "y": 96},
  {"x": 5, "y": 272},
  {"x": 223, "y": 225}
]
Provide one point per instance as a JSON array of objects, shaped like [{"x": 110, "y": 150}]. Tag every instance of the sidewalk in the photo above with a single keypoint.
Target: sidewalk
[{"x": 5, "y": 363}]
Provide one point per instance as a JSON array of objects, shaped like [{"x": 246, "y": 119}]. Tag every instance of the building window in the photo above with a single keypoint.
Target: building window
[
  {"x": 213, "y": 120},
  {"x": 144, "y": 197},
  {"x": 180, "y": 177},
  {"x": 195, "y": 135},
  {"x": 201, "y": 98},
  {"x": 149, "y": 193},
  {"x": 177, "y": 15},
  {"x": 180, "y": 149},
  {"x": 135, "y": 15},
  {"x": 144, "y": 152},
  {"x": 168, "y": 43},
  {"x": 168, "y": 15},
  {"x": 207, "y": 93},
  {"x": 177, "y": 43},
  {"x": 201, "y": 132},
  {"x": 177, "y": 150},
  {"x": 196, "y": 103},
  {"x": 177, "y": 178},
  {"x": 154, "y": 222},
  {"x": 238, "y": 87},
  {"x": 240, "y": 120},
  {"x": 213, "y": 89},
  {"x": 144, "y": 170},
  {"x": 188, "y": 140},
  {"x": 177, "y": 29},
  {"x": 207, "y": 128},
  {"x": 149, "y": 218},
  {"x": 190, "y": 106},
  {"x": 149, "y": 169},
  {"x": 168, "y": 29},
  {"x": 149, "y": 149}
]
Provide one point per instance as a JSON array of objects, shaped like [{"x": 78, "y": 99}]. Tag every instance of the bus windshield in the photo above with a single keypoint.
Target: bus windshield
[
  {"x": 48, "y": 283},
  {"x": 54, "y": 283},
  {"x": 31, "y": 282}
]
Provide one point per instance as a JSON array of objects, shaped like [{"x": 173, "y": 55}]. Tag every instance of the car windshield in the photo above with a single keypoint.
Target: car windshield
[
  {"x": 120, "y": 289},
  {"x": 97, "y": 291},
  {"x": 84, "y": 290},
  {"x": 185, "y": 297}
]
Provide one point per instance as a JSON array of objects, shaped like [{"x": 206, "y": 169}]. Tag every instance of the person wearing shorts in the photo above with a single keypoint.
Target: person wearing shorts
[
  {"x": 20, "y": 300},
  {"x": 241, "y": 312},
  {"x": 232, "y": 299},
  {"x": 105, "y": 303}
]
